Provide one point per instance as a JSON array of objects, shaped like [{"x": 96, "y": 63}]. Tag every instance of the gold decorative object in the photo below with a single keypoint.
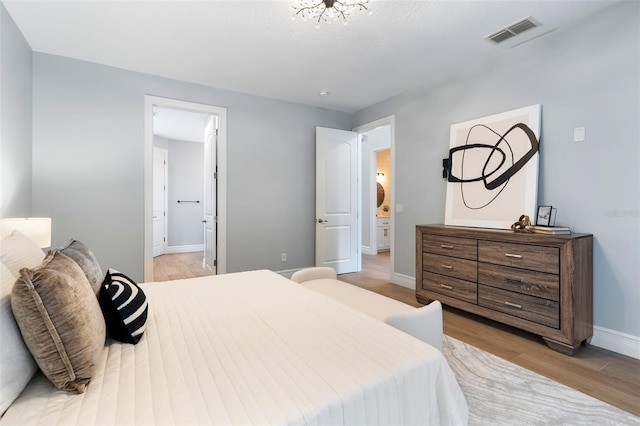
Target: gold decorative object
[{"x": 522, "y": 225}]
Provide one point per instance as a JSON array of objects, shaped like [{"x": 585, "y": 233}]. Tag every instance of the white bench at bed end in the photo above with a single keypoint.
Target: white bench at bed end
[{"x": 423, "y": 323}]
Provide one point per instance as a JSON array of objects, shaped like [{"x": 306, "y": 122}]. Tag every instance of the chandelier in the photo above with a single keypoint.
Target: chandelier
[{"x": 329, "y": 10}]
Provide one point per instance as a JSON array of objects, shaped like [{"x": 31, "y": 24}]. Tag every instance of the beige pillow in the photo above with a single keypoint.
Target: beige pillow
[{"x": 60, "y": 320}]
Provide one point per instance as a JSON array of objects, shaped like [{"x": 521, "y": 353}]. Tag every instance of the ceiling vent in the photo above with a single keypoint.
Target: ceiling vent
[{"x": 513, "y": 30}]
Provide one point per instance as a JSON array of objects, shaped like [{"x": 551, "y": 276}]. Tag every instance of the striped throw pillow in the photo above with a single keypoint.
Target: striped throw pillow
[{"x": 124, "y": 307}]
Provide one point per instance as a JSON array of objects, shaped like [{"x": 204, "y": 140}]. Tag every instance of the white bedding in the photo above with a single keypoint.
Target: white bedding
[{"x": 254, "y": 348}]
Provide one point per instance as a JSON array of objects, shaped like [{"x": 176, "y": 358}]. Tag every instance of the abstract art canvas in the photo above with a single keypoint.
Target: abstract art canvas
[{"x": 492, "y": 169}]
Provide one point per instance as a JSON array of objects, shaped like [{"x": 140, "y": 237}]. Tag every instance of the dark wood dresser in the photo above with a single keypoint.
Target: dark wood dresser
[{"x": 537, "y": 282}]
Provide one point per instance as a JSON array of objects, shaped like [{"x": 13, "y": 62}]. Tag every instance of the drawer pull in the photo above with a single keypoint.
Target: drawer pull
[
  {"x": 446, "y": 246},
  {"x": 447, "y": 266},
  {"x": 513, "y": 305},
  {"x": 517, "y": 256},
  {"x": 448, "y": 287},
  {"x": 513, "y": 280}
]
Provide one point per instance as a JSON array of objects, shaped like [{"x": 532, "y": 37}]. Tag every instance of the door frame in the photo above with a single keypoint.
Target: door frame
[
  {"x": 165, "y": 198},
  {"x": 390, "y": 121},
  {"x": 221, "y": 113},
  {"x": 373, "y": 196}
]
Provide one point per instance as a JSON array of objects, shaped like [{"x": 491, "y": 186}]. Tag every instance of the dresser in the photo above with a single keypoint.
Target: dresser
[{"x": 539, "y": 283}]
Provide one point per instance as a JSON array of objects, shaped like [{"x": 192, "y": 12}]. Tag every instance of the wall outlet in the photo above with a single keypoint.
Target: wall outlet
[
  {"x": 283, "y": 257},
  {"x": 399, "y": 208},
  {"x": 578, "y": 134}
]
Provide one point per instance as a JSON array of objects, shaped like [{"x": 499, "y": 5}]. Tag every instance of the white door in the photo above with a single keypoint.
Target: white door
[
  {"x": 337, "y": 243},
  {"x": 160, "y": 174},
  {"x": 210, "y": 219}
]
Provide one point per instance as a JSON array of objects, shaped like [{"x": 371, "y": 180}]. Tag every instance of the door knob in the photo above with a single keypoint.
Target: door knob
[
  {"x": 322, "y": 221},
  {"x": 204, "y": 221}
]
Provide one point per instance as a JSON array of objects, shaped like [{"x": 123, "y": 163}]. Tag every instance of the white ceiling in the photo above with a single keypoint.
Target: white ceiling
[
  {"x": 255, "y": 47},
  {"x": 175, "y": 124}
]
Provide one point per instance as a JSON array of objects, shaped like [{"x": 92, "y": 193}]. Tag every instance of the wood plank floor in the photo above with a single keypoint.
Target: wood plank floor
[
  {"x": 177, "y": 266},
  {"x": 603, "y": 374}
]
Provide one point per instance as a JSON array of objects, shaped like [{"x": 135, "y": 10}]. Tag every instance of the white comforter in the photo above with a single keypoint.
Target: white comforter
[{"x": 254, "y": 348}]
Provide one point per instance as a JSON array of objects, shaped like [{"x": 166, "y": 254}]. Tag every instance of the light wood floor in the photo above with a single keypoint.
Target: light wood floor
[
  {"x": 177, "y": 266},
  {"x": 605, "y": 375}
]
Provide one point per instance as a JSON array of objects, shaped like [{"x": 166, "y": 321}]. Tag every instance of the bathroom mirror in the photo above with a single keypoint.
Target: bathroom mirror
[{"x": 380, "y": 194}]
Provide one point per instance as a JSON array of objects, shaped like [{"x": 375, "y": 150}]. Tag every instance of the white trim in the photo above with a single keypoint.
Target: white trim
[
  {"x": 185, "y": 249},
  {"x": 616, "y": 341},
  {"x": 221, "y": 114},
  {"x": 369, "y": 250},
  {"x": 165, "y": 197},
  {"x": 391, "y": 121},
  {"x": 288, "y": 272},
  {"x": 403, "y": 280}
]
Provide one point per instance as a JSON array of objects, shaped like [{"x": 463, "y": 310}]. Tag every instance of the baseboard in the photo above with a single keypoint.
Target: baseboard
[
  {"x": 288, "y": 272},
  {"x": 369, "y": 250},
  {"x": 403, "y": 280},
  {"x": 612, "y": 340},
  {"x": 184, "y": 249}
]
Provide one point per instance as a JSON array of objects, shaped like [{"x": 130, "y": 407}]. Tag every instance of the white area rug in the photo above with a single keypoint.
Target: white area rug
[{"x": 502, "y": 393}]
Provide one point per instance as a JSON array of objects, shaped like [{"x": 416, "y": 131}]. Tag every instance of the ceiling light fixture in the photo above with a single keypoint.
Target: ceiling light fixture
[{"x": 329, "y": 10}]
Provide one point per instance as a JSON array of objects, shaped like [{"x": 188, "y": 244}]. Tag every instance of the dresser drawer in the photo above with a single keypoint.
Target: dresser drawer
[
  {"x": 537, "y": 284},
  {"x": 451, "y": 246},
  {"x": 453, "y": 287},
  {"x": 450, "y": 266},
  {"x": 531, "y": 308},
  {"x": 534, "y": 258}
]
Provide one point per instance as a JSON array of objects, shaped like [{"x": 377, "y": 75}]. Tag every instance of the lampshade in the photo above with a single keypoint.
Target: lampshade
[{"x": 37, "y": 229}]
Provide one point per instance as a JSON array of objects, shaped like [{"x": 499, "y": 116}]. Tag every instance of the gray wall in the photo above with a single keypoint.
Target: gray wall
[
  {"x": 186, "y": 182},
  {"x": 586, "y": 75},
  {"x": 88, "y": 138},
  {"x": 15, "y": 120}
]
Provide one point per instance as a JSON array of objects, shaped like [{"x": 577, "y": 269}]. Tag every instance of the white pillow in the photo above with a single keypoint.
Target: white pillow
[
  {"x": 18, "y": 251},
  {"x": 17, "y": 366}
]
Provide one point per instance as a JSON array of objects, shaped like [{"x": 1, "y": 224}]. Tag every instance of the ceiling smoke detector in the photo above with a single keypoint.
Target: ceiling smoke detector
[{"x": 513, "y": 30}]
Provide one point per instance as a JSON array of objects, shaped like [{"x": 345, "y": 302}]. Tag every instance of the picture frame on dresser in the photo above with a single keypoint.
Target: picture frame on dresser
[{"x": 543, "y": 218}]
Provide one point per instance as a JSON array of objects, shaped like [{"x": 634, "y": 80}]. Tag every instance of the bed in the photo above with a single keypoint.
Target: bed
[{"x": 253, "y": 348}]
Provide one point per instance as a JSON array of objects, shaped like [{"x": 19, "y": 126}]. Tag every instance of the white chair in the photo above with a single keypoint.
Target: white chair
[{"x": 423, "y": 323}]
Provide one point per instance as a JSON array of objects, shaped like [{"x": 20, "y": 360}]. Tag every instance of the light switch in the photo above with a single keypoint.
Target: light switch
[
  {"x": 399, "y": 208},
  {"x": 578, "y": 134}
]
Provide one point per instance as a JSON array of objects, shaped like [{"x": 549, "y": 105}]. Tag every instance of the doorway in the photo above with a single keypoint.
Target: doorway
[
  {"x": 212, "y": 119},
  {"x": 183, "y": 191},
  {"x": 377, "y": 196}
]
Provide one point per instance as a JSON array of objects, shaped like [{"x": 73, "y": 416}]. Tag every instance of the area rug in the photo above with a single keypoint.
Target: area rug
[{"x": 501, "y": 393}]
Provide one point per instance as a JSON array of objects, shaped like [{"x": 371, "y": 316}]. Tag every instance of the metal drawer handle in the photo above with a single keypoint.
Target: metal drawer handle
[
  {"x": 446, "y": 246},
  {"x": 448, "y": 287},
  {"x": 447, "y": 266},
  {"x": 514, "y": 305},
  {"x": 517, "y": 256},
  {"x": 513, "y": 280}
]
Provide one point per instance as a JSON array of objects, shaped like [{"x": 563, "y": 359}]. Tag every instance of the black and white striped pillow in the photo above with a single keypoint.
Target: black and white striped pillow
[{"x": 124, "y": 307}]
